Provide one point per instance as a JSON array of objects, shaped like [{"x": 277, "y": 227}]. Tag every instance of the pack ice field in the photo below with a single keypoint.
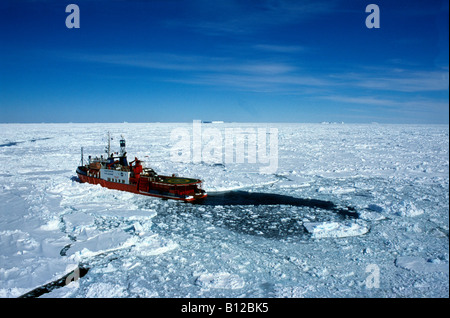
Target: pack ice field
[{"x": 351, "y": 211}]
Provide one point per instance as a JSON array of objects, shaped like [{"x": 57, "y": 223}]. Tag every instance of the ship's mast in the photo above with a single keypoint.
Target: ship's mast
[
  {"x": 122, "y": 146},
  {"x": 82, "y": 161},
  {"x": 108, "y": 149}
]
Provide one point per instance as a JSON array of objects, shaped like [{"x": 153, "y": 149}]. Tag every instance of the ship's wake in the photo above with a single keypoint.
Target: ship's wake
[{"x": 267, "y": 215}]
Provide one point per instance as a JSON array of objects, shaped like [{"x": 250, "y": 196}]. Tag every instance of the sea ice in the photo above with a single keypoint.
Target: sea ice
[
  {"x": 419, "y": 264},
  {"x": 221, "y": 280},
  {"x": 335, "y": 229},
  {"x": 395, "y": 178}
]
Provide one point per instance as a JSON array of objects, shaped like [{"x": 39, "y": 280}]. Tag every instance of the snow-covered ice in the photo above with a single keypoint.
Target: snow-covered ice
[
  {"x": 220, "y": 280},
  {"x": 335, "y": 229},
  {"x": 419, "y": 264},
  {"x": 344, "y": 198}
]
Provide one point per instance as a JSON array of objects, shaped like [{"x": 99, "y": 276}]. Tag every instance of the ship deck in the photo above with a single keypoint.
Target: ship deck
[{"x": 178, "y": 180}]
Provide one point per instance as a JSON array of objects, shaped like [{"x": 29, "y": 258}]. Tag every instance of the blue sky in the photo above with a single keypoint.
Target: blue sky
[{"x": 231, "y": 60}]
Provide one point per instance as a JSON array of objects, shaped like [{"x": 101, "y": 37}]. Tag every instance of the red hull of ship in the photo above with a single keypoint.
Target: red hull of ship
[{"x": 132, "y": 188}]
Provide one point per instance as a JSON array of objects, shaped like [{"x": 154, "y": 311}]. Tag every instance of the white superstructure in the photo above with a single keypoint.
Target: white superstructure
[{"x": 115, "y": 176}]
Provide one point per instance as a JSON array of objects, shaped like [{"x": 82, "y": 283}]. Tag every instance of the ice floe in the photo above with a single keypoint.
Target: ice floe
[
  {"x": 221, "y": 280},
  {"x": 335, "y": 229}
]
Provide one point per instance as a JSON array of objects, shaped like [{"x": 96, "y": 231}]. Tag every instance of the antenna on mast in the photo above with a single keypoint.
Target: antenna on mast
[
  {"x": 108, "y": 148},
  {"x": 122, "y": 146},
  {"x": 82, "y": 161}
]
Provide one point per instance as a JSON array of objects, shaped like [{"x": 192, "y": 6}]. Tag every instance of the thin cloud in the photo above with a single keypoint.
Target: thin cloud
[
  {"x": 293, "y": 84},
  {"x": 279, "y": 48},
  {"x": 188, "y": 63},
  {"x": 270, "y": 75},
  {"x": 409, "y": 104},
  {"x": 243, "y": 17},
  {"x": 398, "y": 80},
  {"x": 237, "y": 74},
  {"x": 410, "y": 82}
]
